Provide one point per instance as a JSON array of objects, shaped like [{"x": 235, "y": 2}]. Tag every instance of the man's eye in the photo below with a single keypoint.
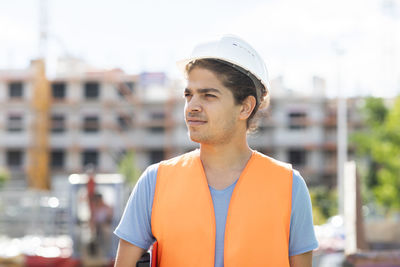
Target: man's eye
[
  {"x": 210, "y": 95},
  {"x": 186, "y": 94}
]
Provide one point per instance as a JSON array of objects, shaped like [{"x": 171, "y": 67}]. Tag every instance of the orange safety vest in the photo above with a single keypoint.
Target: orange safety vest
[{"x": 258, "y": 222}]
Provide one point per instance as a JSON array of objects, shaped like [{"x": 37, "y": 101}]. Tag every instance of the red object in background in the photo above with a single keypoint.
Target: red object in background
[
  {"x": 91, "y": 186},
  {"x": 37, "y": 261}
]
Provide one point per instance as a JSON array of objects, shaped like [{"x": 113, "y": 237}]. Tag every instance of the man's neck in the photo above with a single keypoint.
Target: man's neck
[
  {"x": 232, "y": 156},
  {"x": 224, "y": 164}
]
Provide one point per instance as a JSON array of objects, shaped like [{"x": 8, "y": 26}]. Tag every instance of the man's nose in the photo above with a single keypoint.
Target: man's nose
[{"x": 194, "y": 105}]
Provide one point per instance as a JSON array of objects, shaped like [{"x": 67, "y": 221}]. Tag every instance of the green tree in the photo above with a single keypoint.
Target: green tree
[
  {"x": 379, "y": 144},
  {"x": 127, "y": 167},
  {"x": 4, "y": 176},
  {"x": 324, "y": 203}
]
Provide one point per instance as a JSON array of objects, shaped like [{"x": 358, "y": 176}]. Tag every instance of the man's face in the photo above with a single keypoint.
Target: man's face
[{"x": 210, "y": 111}]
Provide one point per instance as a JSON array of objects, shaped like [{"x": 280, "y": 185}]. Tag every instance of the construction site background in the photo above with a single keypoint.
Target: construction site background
[{"x": 50, "y": 129}]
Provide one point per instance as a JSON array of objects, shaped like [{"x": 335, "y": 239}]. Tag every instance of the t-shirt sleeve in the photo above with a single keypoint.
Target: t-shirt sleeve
[
  {"x": 135, "y": 224},
  {"x": 302, "y": 236}
]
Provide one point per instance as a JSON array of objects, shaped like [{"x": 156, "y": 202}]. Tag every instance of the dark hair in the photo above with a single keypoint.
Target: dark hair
[{"x": 235, "y": 79}]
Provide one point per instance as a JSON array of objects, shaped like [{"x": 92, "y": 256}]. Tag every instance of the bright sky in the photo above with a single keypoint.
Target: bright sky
[{"x": 297, "y": 38}]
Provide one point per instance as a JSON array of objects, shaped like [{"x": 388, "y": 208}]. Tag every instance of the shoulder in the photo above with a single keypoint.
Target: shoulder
[
  {"x": 301, "y": 201},
  {"x": 182, "y": 160},
  {"x": 151, "y": 170},
  {"x": 147, "y": 180},
  {"x": 300, "y": 189},
  {"x": 302, "y": 237},
  {"x": 273, "y": 161}
]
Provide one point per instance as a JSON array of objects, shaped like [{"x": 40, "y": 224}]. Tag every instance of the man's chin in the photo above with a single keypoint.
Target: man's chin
[
  {"x": 194, "y": 138},
  {"x": 197, "y": 140}
]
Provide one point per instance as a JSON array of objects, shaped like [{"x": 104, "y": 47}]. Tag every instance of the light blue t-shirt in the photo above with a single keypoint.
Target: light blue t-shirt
[{"x": 135, "y": 224}]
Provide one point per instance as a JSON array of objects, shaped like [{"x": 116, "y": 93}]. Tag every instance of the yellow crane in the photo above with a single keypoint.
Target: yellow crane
[{"x": 38, "y": 166}]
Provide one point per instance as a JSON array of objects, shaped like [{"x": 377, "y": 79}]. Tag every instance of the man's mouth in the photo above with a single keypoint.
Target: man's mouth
[{"x": 195, "y": 122}]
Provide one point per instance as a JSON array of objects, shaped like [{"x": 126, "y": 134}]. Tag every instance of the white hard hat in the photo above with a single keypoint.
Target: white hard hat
[{"x": 234, "y": 50}]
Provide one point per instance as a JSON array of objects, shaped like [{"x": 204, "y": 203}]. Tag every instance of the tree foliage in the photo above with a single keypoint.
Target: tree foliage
[
  {"x": 4, "y": 176},
  {"x": 379, "y": 144},
  {"x": 324, "y": 203},
  {"x": 128, "y": 168}
]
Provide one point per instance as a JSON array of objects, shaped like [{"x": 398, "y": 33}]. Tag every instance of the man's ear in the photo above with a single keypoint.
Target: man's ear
[{"x": 247, "y": 108}]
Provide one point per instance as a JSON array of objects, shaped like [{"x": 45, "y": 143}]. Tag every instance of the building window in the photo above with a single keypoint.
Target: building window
[
  {"x": 156, "y": 156},
  {"x": 16, "y": 89},
  {"x": 330, "y": 162},
  {"x": 297, "y": 120},
  {"x": 126, "y": 89},
  {"x": 92, "y": 90},
  {"x": 124, "y": 122},
  {"x": 90, "y": 157},
  {"x": 14, "y": 123},
  {"x": 158, "y": 115},
  {"x": 58, "y": 90},
  {"x": 91, "y": 124},
  {"x": 58, "y": 123},
  {"x": 267, "y": 151},
  {"x": 14, "y": 158},
  {"x": 298, "y": 157},
  {"x": 57, "y": 159},
  {"x": 157, "y": 129}
]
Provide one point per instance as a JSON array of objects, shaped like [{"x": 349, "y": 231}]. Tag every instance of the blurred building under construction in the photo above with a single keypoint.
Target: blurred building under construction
[{"x": 85, "y": 116}]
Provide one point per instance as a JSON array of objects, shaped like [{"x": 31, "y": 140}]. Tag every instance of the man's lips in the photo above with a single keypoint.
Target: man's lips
[{"x": 194, "y": 122}]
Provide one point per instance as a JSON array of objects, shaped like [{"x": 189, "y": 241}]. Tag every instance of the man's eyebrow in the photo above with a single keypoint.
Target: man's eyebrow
[{"x": 203, "y": 90}]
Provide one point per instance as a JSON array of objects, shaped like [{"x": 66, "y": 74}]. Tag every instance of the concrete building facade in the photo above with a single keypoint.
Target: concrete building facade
[{"x": 96, "y": 116}]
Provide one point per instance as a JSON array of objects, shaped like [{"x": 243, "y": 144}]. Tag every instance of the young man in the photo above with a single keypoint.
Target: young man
[{"x": 224, "y": 204}]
